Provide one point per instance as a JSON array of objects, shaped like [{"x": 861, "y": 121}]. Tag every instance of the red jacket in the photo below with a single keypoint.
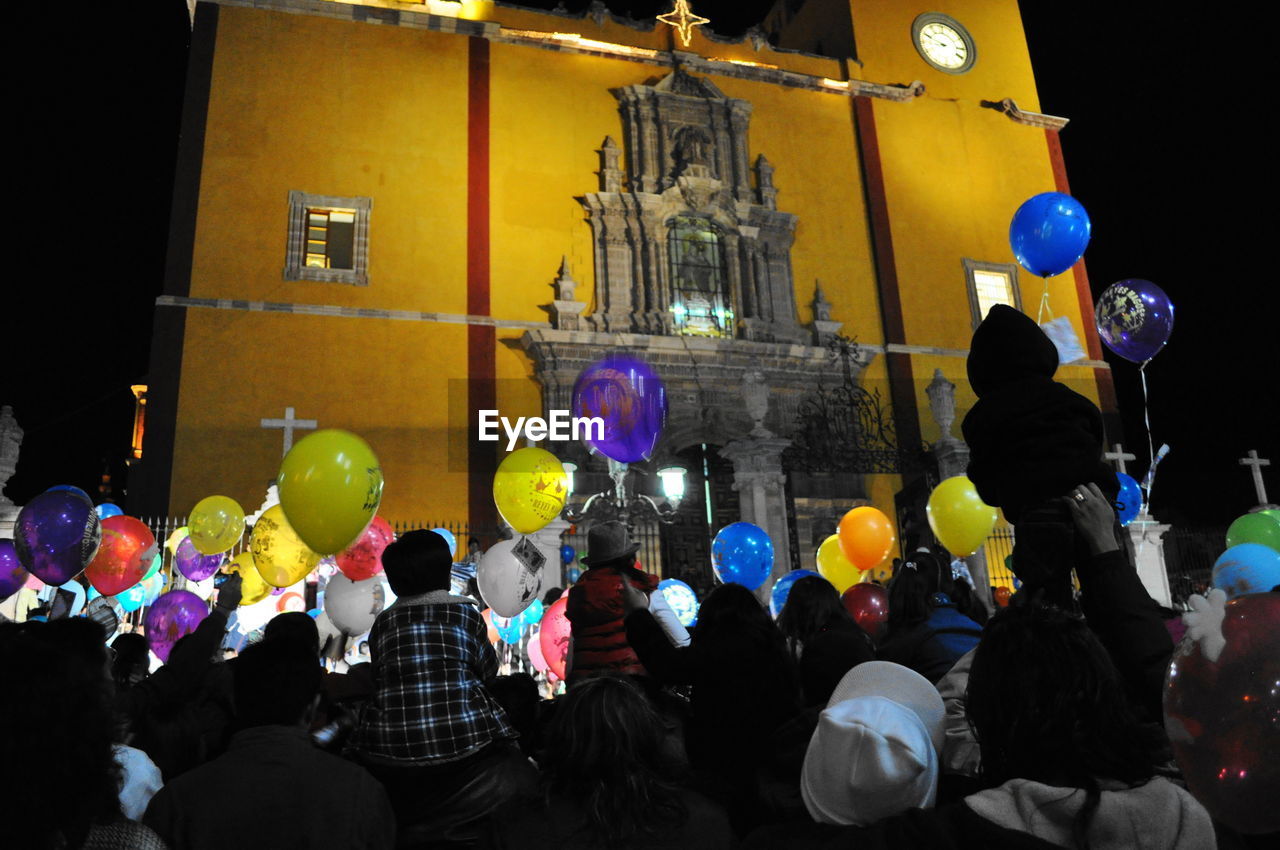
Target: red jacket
[{"x": 599, "y": 636}]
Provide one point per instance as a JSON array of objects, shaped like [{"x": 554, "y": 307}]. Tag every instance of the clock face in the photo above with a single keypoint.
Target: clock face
[{"x": 944, "y": 43}]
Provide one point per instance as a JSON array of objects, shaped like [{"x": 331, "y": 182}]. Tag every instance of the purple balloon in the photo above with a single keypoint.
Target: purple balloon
[
  {"x": 628, "y": 396},
  {"x": 172, "y": 617},
  {"x": 193, "y": 565},
  {"x": 12, "y": 574},
  {"x": 1134, "y": 319},
  {"x": 56, "y": 535}
]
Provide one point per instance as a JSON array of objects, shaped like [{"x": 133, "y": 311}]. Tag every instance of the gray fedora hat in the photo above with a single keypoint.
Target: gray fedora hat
[{"x": 608, "y": 542}]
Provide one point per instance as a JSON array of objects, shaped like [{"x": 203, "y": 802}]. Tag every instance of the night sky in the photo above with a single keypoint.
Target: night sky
[{"x": 1164, "y": 150}]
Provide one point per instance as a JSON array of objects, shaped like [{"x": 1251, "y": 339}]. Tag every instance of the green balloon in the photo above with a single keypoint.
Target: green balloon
[
  {"x": 156, "y": 563},
  {"x": 1255, "y": 528}
]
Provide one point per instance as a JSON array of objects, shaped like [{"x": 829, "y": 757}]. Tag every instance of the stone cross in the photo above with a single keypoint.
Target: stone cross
[
  {"x": 1257, "y": 463},
  {"x": 1118, "y": 456},
  {"x": 288, "y": 423}
]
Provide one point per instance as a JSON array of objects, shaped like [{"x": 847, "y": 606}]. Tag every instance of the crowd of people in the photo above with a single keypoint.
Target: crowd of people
[{"x": 1038, "y": 725}]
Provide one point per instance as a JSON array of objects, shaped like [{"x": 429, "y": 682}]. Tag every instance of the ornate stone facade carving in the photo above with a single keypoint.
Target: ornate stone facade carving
[
  {"x": 10, "y": 445},
  {"x": 687, "y": 156}
]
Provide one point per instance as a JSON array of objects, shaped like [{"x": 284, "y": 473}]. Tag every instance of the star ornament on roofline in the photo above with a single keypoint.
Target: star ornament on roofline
[{"x": 684, "y": 20}]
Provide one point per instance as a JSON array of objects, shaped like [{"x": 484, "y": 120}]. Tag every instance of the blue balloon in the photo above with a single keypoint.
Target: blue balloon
[
  {"x": 782, "y": 589},
  {"x": 532, "y": 614},
  {"x": 313, "y": 613},
  {"x": 1129, "y": 499},
  {"x": 1247, "y": 568},
  {"x": 67, "y": 488},
  {"x": 567, "y": 554},
  {"x": 1049, "y": 232},
  {"x": 448, "y": 538},
  {"x": 107, "y": 509},
  {"x": 574, "y": 575},
  {"x": 508, "y": 629},
  {"x": 742, "y": 553},
  {"x": 681, "y": 599},
  {"x": 134, "y": 598}
]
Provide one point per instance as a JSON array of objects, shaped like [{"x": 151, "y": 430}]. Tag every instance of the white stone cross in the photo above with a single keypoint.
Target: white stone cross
[
  {"x": 1118, "y": 456},
  {"x": 1257, "y": 463},
  {"x": 288, "y": 423}
]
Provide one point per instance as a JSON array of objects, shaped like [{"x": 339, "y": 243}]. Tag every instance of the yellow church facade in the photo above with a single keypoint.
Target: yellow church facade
[{"x": 391, "y": 215}]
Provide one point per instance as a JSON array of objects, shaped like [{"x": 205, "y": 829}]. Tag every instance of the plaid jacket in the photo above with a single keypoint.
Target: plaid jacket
[{"x": 431, "y": 656}]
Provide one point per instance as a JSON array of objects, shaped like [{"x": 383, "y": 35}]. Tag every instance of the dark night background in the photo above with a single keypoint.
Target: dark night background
[{"x": 1164, "y": 150}]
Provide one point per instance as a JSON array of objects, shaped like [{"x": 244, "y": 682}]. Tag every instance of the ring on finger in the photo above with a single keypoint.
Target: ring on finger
[{"x": 1078, "y": 496}]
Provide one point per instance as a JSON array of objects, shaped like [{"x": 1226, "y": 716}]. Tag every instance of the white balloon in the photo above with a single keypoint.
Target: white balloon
[
  {"x": 353, "y": 605},
  {"x": 510, "y": 576},
  {"x": 255, "y": 616}
]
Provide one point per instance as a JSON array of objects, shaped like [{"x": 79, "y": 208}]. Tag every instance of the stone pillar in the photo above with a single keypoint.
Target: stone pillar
[
  {"x": 761, "y": 483},
  {"x": 548, "y": 540},
  {"x": 1148, "y": 550}
]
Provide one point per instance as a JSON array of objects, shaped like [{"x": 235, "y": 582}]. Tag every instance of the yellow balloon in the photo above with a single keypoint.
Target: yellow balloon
[
  {"x": 280, "y": 555},
  {"x": 216, "y": 524},
  {"x": 835, "y": 567},
  {"x": 330, "y": 487},
  {"x": 530, "y": 488},
  {"x": 175, "y": 539},
  {"x": 959, "y": 518},
  {"x": 252, "y": 587}
]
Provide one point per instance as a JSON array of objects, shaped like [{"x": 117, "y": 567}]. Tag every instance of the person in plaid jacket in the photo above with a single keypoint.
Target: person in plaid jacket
[{"x": 432, "y": 733}]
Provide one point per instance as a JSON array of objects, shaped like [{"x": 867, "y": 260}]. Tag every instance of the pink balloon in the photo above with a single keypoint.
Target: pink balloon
[
  {"x": 554, "y": 636},
  {"x": 363, "y": 559},
  {"x": 536, "y": 657}
]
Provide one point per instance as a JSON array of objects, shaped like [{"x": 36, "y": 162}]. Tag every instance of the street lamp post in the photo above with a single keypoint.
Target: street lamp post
[{"x": 617, "y": 503}]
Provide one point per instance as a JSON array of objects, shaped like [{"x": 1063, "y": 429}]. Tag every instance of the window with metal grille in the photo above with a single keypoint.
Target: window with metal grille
[
  {"x": 331, "y": 237},
  {"x": 699, "y": 298},
  {"x": 990, "y": 284}
]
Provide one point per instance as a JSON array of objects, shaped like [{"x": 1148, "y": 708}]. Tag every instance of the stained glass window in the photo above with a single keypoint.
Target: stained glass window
[{"x": 700, "y": 298}]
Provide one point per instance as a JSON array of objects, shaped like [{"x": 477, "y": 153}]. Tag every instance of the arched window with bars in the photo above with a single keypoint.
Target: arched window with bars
[{"x": 700, "y": 301}]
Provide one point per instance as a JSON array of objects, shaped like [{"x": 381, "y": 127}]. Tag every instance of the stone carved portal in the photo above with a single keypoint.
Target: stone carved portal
[
  {"x": 691, "y": 246},
  {"x": 684, "y": 227}
]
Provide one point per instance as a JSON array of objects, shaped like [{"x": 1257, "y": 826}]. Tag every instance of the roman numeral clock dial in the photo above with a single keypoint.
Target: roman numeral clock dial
[{"x": 943, "y": 42}]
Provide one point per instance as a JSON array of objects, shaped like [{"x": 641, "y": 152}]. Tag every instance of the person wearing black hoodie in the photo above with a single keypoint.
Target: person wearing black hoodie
[{"x": 1031, "y": 440}]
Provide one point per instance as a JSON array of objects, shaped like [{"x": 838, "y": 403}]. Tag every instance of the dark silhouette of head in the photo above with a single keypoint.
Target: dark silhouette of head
[
  {"x": 606, "y": 750},
  {"x": 132, "y": 661},
  {"x": 276, "y": 683},
  {"x": 812, "y": 605},
  {"x": 56, "y": 712},
  {"x": 1047, "y": 704},
  {"x": 418, "y": 562},
  {"x": 294, "y": 626},
  {"x": 912, "y": 588}
]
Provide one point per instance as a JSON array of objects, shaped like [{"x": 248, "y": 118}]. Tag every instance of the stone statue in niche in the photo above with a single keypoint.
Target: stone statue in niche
[
  {"x": 10, "y": 445},
  {"x": 692, "y": 149}
]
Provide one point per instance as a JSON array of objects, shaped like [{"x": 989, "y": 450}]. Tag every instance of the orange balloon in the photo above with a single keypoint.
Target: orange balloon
[
  {"x": 866, "y": 537},
  {"x": 1002, "y": 595},
  {"x": 489, "y": 626}
]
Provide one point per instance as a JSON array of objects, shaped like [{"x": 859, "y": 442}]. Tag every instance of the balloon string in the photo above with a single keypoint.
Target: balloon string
[
  {"x": 1044, "y": 304},
  {"x": 1151, "y": 449}
]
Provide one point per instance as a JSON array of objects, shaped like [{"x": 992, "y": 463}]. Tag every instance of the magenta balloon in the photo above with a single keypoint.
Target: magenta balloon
[
  {"x": 56, "y": 535},
  {"x": 172, "y": 617},
  {"x": 193, "y": 565},
  {"x": 12, "y": 574}
]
